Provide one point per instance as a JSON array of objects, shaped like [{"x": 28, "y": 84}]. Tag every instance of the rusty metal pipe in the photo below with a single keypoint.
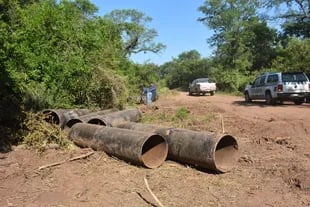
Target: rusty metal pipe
[
  {"x": 111, "y": 119},
  {"x": 61, "y": 116},
  {"x": 217, "y": 152},
  {"x": 83, "y": 135},
  {"x": 89, "y": 116},
  {"x": 141, "y": 148},
  {"x": 54, "y": 116}
]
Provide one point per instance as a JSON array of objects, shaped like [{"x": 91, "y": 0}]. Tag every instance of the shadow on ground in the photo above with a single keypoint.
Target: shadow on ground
[{"x": 263, "y": 104}]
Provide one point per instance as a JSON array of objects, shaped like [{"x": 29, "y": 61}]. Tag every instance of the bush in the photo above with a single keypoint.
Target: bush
[{"x": 182, "y": 113}]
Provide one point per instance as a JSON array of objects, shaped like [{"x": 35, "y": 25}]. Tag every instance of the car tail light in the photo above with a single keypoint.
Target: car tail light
[{"x": 280, "y": 88}]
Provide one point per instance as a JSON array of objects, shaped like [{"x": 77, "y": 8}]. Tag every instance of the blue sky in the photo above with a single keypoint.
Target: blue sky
[{"x": 174, "y": 20}]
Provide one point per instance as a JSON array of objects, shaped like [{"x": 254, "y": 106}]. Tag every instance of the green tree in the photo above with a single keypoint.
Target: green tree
[
  {"x": 295, "y": 15},
  {"x": 10, "y": 96},
  {"x": 227, "y": 19},
  {"x": 137, "y": 36},
  {"x": 262, "y": 42},
  {"x": 57, "y": 47},
  {"x": 294, "y": 57},
  {"x": 244, "y": 43},
  {"x": 185, "y": 68}
]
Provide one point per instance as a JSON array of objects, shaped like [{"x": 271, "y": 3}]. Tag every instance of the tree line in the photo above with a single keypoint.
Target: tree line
[{"x": 245, "y": 43}]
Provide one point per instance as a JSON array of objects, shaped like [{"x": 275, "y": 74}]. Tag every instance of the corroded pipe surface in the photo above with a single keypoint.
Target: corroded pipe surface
[
  {"x": 112, "y": 119},
  {"x": 89, "y": 116},
  {"x": 203, "y": 149},
  {"x": 84, "y": 135},
  {"x": 218, "y": 152},
  {"x": 141, "y": 148}
]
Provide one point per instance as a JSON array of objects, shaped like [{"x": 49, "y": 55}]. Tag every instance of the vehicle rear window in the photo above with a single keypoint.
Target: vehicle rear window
[
  {"x": 202, "y": 80},
  {"x": 294, "y": 77},
  {"x": 272, "y": 78}
]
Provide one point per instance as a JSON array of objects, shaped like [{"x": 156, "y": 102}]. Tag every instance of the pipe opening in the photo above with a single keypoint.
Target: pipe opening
[
  {"x": 97, "y": 122},
  {"x": 51, "y": 117},
  {"x": 154, "y": 151},
  {"x": 226, "y": 153},
  {"x": 71, "y": 122}
]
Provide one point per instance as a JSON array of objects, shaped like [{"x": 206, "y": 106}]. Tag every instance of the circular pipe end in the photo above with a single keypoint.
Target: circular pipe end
[
  {"x": 71, "y": 122},
  {"x": 226, "y": 153},
  {"x": 97, "y": 122},
  {"x": 154, "y": 151},
  {"x": 51, "y": 117}
]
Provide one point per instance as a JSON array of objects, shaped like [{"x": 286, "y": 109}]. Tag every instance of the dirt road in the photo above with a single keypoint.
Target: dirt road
[{"x": 273, "y": 169}]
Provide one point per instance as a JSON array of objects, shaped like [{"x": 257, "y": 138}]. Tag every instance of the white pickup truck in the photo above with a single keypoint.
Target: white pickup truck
[
  {"x": 202, "y": 86},
  {"x": 278, "y": 87}
]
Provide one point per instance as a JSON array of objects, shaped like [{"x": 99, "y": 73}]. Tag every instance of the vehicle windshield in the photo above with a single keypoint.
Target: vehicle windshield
[
  {"x": 202, "y": 80},
  {"x": 293, "y": 77}
]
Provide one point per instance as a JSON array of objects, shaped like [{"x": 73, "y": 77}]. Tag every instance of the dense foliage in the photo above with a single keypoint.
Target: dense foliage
[{"x": 59, "y": 54}]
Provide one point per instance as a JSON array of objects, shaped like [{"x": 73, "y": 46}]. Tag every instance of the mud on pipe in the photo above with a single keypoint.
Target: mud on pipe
[{"x": 140, "y": 148}]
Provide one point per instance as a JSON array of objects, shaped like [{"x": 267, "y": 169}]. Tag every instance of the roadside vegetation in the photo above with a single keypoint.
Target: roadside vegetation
[
  {"x": 181, "y": 118},
  {"x": 60, "y": 54},
  {"x": 43, "y": 134}
]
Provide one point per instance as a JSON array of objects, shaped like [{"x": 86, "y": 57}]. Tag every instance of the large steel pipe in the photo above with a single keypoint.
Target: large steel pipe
[
  {"x": 89, "y": 116},
  {"x": 61, "y": 116},
  {"x": 84, "y": 135},
  {"x": 203, "y": 149},
  {"x": 54, "y": 116},
  {"x": 112, "y": 119},
  {"x": 141, "y": 148},
  {"x": 217, "y": 152}
]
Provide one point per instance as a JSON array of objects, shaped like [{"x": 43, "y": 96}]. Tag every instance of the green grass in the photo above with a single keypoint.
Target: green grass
[
  {"x": 182, "y": 113},
  {"x": 181, "y": 118}
]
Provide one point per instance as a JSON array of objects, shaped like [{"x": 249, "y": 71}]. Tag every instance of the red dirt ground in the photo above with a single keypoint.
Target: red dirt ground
[{"x": 273, "y": 169}]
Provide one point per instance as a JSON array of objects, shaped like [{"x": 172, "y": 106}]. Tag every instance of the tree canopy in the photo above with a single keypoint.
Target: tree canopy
[
  {"x": 133, "y": 27},
  {"x": 60, "y": 54}
]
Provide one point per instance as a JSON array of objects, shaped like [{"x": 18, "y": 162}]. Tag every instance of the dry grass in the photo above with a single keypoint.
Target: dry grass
[{"x": 41, "y": 134}]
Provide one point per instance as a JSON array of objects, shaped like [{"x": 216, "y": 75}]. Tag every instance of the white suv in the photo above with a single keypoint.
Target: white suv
[{"x": 281, "y": 86}]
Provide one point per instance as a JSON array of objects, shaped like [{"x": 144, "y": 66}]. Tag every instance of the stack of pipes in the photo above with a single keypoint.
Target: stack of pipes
[{"x": 118, "y": 134}]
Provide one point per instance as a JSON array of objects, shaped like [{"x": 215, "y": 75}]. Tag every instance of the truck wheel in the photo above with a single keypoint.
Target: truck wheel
[
  {"x": 247, "y": 98},
  {"x": 197, "y": 93},
  {"x": 190, "y": 93},
  {"x": 299, "y": 101},
  {"x": 212, "y": 93},
  {"x": 269, "y": 99}
]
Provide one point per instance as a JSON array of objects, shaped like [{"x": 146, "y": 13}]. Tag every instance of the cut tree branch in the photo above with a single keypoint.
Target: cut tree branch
[
  {"x": 70, "y": 160},
  {"x": 148, "y": 188}
]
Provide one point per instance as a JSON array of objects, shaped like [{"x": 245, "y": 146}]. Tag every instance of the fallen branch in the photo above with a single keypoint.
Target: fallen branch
[
  {"x": 148, "y": 188},
  {"x": 82, "y": 156},
  {"x": 70, "y": 160},
  {"x": 51, "y": 165}
]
